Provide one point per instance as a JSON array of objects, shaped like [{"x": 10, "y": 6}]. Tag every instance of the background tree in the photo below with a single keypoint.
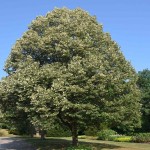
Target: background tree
[
  {"x": 144, "y": 85},
  {"x": 66, "y": 67},
  {"x": 15, "y": 94},
  {"x": 15, "y": 118}
]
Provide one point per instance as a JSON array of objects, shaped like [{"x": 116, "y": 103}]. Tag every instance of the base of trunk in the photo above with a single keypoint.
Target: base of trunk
[
  {"x": 42, "y": 133},
  {"x": 74, "y": 135},
  {"x": 75, "y": 141}
]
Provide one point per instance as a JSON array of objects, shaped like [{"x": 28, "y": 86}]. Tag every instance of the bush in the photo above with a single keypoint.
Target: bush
[
  {"x": 14, "y": 131},
  {"x": 141, "y": 138},
  {"x": 106, "y": 134},
  {"x": 91, "y": 131},
  {"x": 82, "y": 137},
  {"x": 123, "y": 139},
  {"x": 58, "y": 132},
  {"x": 3, "y": 132}
]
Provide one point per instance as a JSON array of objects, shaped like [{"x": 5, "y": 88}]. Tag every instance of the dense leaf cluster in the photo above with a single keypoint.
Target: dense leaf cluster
[{"x": 144, "y": 85}]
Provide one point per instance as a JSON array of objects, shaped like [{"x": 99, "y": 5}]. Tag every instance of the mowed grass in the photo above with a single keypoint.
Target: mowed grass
[{"x": 63, "y": 143}]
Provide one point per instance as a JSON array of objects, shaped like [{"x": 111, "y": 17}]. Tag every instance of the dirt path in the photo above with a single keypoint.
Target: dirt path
[{"x": 13, "y": 143}]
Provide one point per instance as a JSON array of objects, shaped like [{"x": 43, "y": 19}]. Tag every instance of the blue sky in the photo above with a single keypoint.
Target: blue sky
[{"x": 128, "y": 22}]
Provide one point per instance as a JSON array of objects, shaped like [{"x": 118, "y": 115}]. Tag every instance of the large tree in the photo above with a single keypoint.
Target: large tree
[
  {"x": 65, "y": 67},
  {"x": 144, "y": 85}
]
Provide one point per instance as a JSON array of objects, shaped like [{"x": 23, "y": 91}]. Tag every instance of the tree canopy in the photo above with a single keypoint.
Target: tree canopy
[
  {"x": 65, "y": 67},
  {"x": 144, "y": 85}
]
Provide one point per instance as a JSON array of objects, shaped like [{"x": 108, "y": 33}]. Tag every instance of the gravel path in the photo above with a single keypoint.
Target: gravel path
[{"x": 13, "y": 143}]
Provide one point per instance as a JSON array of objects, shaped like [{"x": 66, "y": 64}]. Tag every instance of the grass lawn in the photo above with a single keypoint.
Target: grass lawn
[{"x": 62, "y": 143}]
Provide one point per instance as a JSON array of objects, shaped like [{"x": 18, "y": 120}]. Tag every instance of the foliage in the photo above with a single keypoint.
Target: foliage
[
  {"x": 3, "y": 132},
  {"x": 91, "y": 131},
  {"x": 144, "y": 85},
  {"x": 58, "y": 131},
  {"x": 2, "y": 121},
  {"x": 141, "y": 138},
  {"x": 14, "y": 131},
  {"x": 123, "y": 139},
  {"x": 106, "y": 134},
  {"x": 82, "y": 136},
  {"x": 65, "y": 67}
]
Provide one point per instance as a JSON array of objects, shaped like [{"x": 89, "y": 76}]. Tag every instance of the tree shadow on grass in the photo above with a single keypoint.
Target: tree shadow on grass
[
  {"x": 62, "y": 144},
  {"x": 101, "y": 146}
]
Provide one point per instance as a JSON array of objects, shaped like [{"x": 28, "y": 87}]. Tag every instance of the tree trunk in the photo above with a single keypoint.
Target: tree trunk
[
  {"x": 42, "y": 134},
  {"x": 31, "y": 135},
  {"x": 32, "y": 131},
  {"x": 74, "y": 135}
]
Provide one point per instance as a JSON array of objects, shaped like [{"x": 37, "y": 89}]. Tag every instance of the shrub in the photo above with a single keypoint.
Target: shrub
[
  {"x": 123, "y": 139},
  {"x": 91, "y": 131},
  {"x": 82, "y": 137},
  {"x": 14, "y": 131},
  {"x": 141, "y": 138},
  {"x": 58, "y": 132},
  {"x": 3, "y": 132},
  {"x": 106, "y": 134}
]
